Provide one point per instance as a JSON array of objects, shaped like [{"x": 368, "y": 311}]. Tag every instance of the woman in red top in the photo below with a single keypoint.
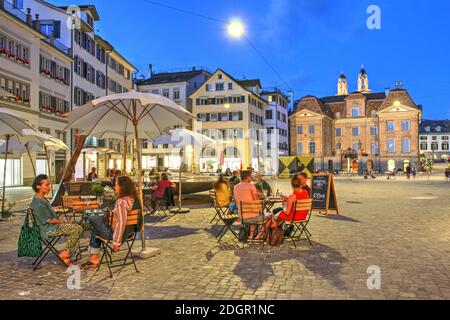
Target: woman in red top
[
  {"x": 281, "y": 215},
  {"x": 159, "y": 190}
]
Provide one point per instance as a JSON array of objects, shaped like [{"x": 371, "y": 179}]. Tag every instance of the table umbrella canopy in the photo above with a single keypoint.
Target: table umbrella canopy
[
  {"x": 153, "y": 114},
  {"x": 145, "y": 114},
  {"x": 11, "y": 126},
  {"x": 15, "y": 148},
  {"x": 183, "y": 137},
  {"x": 11, "y": 123},
  {"x": 180, "y": 138}
]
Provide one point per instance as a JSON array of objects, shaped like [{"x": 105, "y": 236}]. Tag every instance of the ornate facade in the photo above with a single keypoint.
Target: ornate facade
[{"x": 357, "y": 131}]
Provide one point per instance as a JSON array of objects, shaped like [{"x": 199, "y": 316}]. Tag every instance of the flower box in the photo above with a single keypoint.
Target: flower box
[{"x": 4, "y": 51}]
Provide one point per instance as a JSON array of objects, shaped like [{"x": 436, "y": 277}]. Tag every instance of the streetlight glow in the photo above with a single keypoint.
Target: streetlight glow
[{"x": 236, "y": 29}]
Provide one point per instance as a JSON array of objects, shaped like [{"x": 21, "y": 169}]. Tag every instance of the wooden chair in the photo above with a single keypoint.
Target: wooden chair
[
  {"x": 250, "y": 208},
  {"x": 298, "y": 228},
  {"x": 128, "y": 238},
  {"x": 77, "y": 206},
  {"x": 223, "y": 214}
]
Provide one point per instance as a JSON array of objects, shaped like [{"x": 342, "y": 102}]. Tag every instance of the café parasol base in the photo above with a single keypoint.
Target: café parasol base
[
  {"x": 180, "y": 210},
  {"x": 147, "y": 253}
]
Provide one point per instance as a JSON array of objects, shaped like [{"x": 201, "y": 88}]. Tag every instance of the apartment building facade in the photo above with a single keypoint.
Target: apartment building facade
[
  {"x": 62, "y": 64},
  {"x": 37, "y": 70},
  {"x": 434, "y": 139},
  {"x": 276, "y": 121},
  {"x": 98, "y": 69},
  {"x": 358, "y": 131},
  {"x": 232, "y": 113},
  {"x": 178, "y": 86}
]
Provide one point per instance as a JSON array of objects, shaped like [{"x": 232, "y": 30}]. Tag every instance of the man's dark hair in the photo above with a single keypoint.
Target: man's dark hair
[
  {"x": 295, "y": 183},
  {"x": 245, "y": 174},
  {"x": 302, "y": 174},
  {"x": 38, "y": 181}
]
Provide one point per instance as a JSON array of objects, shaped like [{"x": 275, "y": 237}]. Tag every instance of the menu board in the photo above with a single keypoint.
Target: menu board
[{"x": 323, "y": 193}]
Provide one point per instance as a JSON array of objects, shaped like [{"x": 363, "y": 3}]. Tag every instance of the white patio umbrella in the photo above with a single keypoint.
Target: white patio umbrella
[
  {"x": 126, "y": 135},
  {"x": 39, "y": 141},
  {"x": 145, "y": 113},
  {"x": 181, "y": 138},
  {"x": 11, "y": 125}
]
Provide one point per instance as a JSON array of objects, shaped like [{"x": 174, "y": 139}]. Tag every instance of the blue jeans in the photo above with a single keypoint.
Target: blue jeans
[{"x": 99, "y": 229}]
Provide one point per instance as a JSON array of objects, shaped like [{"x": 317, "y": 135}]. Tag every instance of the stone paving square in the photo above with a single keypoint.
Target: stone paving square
[{"x": 403, "y": 227}]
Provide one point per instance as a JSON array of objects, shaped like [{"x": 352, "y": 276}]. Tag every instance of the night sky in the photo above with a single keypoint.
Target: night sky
[{"x": 307, "y": 42}]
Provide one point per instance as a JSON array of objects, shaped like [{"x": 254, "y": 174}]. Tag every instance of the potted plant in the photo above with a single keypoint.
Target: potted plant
[
  {"x": 98, "y": 189},
  {"x": 7, "y": 214}
]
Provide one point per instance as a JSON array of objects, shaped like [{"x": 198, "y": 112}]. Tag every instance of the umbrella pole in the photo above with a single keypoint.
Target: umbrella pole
[
  {"x": 31, "y": 159},
  {"x": 4, "y": 173},
  {"x": 138, "y": 155},
  {"x": 49, "y": 168},
  {"x": 124, "y": 155},
  {"x": 179, "y": 180}
]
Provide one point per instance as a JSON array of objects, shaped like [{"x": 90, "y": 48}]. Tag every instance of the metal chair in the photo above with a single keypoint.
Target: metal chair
[
  {"x": 49, "y": 245},
  {"x": 298, "y": 228},
  {"x": 250, "y": 208},
  {"x": 128, "y": 239},
  {"x": 223, "y": 214}
]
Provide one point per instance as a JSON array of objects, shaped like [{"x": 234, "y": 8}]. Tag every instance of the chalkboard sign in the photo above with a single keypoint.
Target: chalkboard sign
[{"x": 323, "y": 193}]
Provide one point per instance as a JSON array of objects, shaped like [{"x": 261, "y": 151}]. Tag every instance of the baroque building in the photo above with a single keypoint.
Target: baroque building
[{"x": 358, "y": 131}]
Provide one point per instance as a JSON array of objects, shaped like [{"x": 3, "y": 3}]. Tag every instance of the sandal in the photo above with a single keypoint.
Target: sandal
[
  {"x": 89, "y": 265},
  {"x": 65, "y": 259}
]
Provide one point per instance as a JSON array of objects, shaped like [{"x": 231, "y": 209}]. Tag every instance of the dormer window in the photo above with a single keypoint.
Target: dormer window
[
  {"x": 438, "y": 129},
  {"x": 89, "y": 20},
  {"x": 355, "y": 112},
  {"x": 427, "y": 129}
]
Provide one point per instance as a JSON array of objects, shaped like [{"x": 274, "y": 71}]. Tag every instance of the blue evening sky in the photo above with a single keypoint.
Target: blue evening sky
[{"x": 308, "y": 42}]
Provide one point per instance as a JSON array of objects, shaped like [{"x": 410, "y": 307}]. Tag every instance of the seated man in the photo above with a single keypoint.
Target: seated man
[
  {"x": 159, "y": 190},
  {"x": 244, "y": 192},
  {"x": 48, "y": 222},
  {"x": 263, "y": 185}
]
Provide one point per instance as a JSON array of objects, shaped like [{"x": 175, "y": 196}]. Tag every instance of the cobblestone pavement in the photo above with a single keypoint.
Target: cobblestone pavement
[{"x": 401, "y": 226}]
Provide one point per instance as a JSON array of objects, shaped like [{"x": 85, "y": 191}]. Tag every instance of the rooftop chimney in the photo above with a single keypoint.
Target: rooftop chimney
[
  {"x": 29, "y": 17},
  {"x": 150, "y": 70},
  {"x": 36, "y": 22}
]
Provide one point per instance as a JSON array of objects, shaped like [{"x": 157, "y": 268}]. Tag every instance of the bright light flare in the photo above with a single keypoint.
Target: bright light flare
[{"x": 236, "y": 29}]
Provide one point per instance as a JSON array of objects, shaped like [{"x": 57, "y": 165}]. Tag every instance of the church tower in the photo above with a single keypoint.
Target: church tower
[
  {"x": 363, "y": 81},
  {"x": 342, "y": 86}
]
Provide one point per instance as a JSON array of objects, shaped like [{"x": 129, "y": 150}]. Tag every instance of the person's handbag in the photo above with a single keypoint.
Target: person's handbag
[
  {"x": 29, "y": 244},
  {"x": 276, "y": 236}
]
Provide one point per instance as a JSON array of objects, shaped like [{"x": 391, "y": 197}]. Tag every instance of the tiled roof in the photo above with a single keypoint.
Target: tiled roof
[
  {"x": 170, "y": 77},
  {"x": 433, "y": 124}
]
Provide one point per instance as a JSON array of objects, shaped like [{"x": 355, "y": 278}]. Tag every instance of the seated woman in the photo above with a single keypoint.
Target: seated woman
[
  {"x": 280, "y": 215},
  {"x": 159, "y": 190},
  {"x": 127, "y": 201},
  {"x": 222, "y": 192},
  {"x": 48, "y": 221}
]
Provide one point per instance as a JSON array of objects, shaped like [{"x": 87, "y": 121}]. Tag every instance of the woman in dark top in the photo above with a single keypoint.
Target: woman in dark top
[{"x": 49, "y": 223}]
